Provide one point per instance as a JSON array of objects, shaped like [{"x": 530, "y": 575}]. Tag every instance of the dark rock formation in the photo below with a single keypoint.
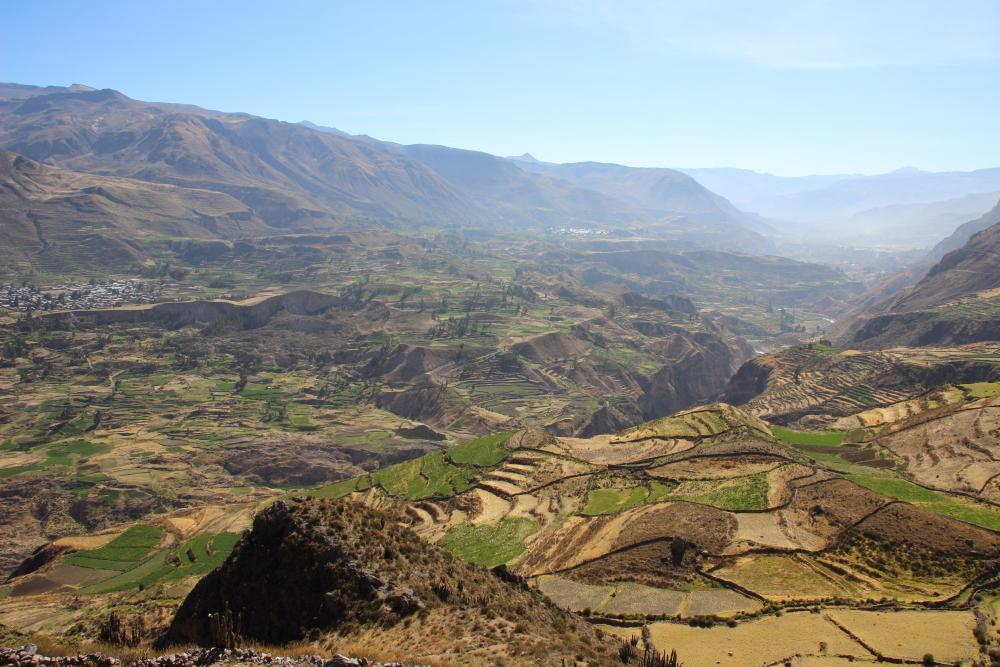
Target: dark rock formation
[{"x": 310, "y": 567}]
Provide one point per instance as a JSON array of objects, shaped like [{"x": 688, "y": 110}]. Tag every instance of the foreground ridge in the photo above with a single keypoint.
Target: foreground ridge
[{"x": 28, "y": 655}]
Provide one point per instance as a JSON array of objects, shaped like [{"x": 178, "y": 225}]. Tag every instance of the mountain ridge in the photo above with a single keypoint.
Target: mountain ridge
[{"x": 306, "y": 177}]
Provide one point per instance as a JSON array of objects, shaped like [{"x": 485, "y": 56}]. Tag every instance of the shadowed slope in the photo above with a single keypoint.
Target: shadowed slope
[{"x": 349, "y": 570}]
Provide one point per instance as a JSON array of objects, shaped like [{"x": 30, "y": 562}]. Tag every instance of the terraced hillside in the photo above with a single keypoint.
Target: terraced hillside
[
  {"x": 709, "y": 524},
  {"x": 292, "y": 360},
  {"x": 698, "y": 531},
  {"x": 816, "y": 383},
  {"x": 140, "y": 570}
]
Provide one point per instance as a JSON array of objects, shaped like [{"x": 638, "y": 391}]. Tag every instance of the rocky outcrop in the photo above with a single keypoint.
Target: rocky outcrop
[
  {"x": 200, "y": 657},
  {"x": 425, "y": 401},
  {"x": 607, "y": 419},
  {"x": 700, "y": 366},
  {"x": 311, "y": 568},
  {"x": 38, "y": 559},
  {"x": 407, "y": 363},
  {"x": 750, "y": 380}
]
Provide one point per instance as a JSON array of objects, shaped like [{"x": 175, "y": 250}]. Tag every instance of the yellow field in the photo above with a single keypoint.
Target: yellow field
[
  {"x": 909, "y": 635},
  {"x": 822, "y": 640},
  {"x": 769, "y": 640}
]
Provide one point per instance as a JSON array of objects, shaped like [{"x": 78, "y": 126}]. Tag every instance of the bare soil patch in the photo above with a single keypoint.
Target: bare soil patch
[
  {"x": 840, "y": 502},
  {"x": 781, "y": 529},
  {"x": 720, "y": 602},
  {"x": 573, "y": 595},
  {"x": 905, "y": 523},
  {"x": 600, "y": 451},
  {"x": 638, "y": 599},
  {"x": 649, "y": 564}
]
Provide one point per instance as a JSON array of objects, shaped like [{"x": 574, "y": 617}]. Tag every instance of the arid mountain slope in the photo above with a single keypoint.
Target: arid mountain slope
[
  {"x": 957, "y": 302},
  {"x": 519, "y": 196},
  {"x": 290, "y": 175},
  {"x": 295, "y": 176},
  {"x": 55, "y": 215},
  {"x": 973, "y": 268},
  {"x": 964, "y": 232}
]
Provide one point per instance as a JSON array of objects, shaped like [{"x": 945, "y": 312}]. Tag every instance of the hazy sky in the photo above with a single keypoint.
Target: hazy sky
[{"x": 788, "y": 87}]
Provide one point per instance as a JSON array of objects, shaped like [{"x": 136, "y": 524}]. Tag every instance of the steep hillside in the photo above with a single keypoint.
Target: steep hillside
[
  {"x": 957, "y": 302},
  {"x": 973, "y": 268},
  {"x": 352, "y": 573},
  {"x": 290, "y": 175},
  {"x": 54, "y": 216},
  {"x": 961, "y": 236}
]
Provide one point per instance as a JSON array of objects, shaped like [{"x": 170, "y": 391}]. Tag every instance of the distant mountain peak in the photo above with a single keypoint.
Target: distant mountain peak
[{"x": 525, "y": 157}]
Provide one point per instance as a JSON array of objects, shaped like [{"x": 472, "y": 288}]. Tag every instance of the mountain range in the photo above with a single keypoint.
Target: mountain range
[
  {"x": 276, "y": 177},
  {"x": 907, "y": 208},
  {"x": 296, "y": 176}
]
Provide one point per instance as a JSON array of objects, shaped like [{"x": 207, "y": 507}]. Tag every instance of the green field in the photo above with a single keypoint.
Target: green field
[
  {"x": 209, "y": 551},
  {"x": 955, "y": 507},
  {"x": 490, "y": 545},
  {"x": 17, "y": 470},
  {"x": 62, "y": 454},
  {"x": 608, "y": 501},
  {"x": 740, "y": 493},
  {"x": 611, "y": 500},
  {"x": 341, "y": 488},
  {"x": 425, "y": 477},
  {"x": 976, "y": 390},
  {"x": 483, "y": 452},
  {"x": 830, "y": 438},
  {"x": 123, "y": 552}
]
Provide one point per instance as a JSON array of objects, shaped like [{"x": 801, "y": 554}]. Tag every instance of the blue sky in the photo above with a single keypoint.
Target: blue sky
[{"x": 787, "y": 87}]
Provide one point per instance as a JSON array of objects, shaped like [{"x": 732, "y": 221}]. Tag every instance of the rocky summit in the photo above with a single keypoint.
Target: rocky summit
[{"x": 311, "y": 569}]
